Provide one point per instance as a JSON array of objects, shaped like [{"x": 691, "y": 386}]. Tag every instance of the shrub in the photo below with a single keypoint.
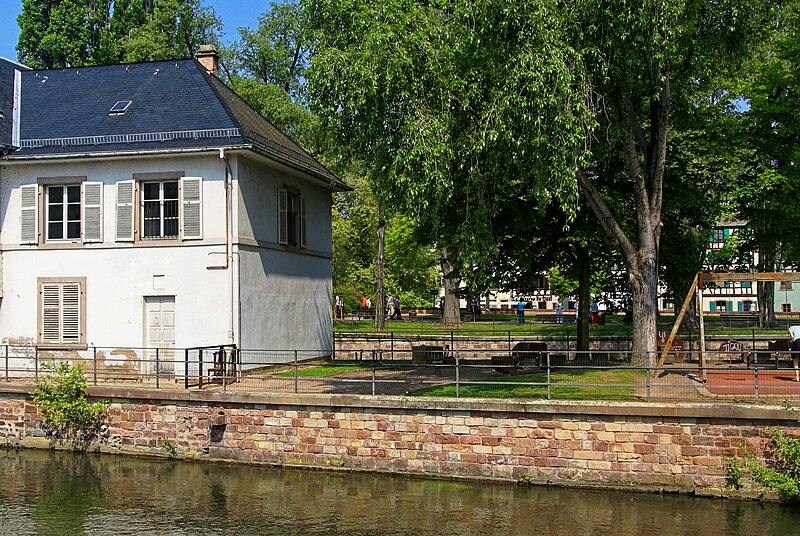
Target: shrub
[
  {"x": 63, "y": 406},
  {"x": 779, "y": 471}
]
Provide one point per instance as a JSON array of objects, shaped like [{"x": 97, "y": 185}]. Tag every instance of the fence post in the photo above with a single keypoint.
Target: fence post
[
  {"x": 391, "y": 338},
  {"x": 756, "y": 383},
  {"x": 647, "y": 376},
  {"x": 186, "y": 370},
  {"x": 36, "y": 362},
  {"x": 224, "y": 364},
  {"x": 374, "y": 357},
  {"x": 295, "y": 371},
  {"x": 200, "y": 368},
  {"x": 6, "y": 362},
  {"x": 158, "y": 371},
  {"x": 549, "y": 393},
  {"x": 458, "y": 374},
  {"x": 94, "y": 364}
]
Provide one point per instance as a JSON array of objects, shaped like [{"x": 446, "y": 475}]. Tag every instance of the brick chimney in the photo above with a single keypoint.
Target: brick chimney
[{"x": 209, "y": 58}]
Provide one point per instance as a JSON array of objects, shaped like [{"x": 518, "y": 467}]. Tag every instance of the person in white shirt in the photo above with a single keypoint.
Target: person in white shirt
[{"x": 794, "y": 338}]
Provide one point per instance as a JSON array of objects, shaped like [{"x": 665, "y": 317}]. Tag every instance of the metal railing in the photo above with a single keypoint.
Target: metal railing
[{"x": 523, "y": 371}]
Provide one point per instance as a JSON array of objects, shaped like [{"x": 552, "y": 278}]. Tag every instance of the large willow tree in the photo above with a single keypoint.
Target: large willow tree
[{"x": 460, "y": 106}]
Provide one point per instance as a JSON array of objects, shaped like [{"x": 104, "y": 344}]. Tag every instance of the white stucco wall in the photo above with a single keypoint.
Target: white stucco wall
[
  {"x": 285, "y": 304},
  {"x": 285, "y": 292},
  {"x": 118, "y": 274}
]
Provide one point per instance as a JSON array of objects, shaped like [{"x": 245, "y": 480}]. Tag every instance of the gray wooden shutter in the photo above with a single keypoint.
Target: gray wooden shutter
[
  {"x": 283, "y": 201},
  {"x": 92, "y": 211},
  {"x": 50, "y": 331},
  {"x": 29, "y": 220},
  {"x": 70, "y": 313},
  {"x": 123, "y": 223},
  {"x": 61, "y": 313},
  {"x": 302, "y": 222},
  {"x": 192, "y": 207}
]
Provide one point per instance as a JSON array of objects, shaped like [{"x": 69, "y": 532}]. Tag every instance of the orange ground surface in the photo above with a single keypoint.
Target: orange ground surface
[{"x": 770, "y": 382}]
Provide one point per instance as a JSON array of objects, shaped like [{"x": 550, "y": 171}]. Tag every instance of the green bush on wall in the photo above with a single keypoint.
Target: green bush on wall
[{"x": 61, "y": 398}]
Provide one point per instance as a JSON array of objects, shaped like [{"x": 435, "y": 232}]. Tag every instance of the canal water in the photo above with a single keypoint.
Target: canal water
[{"x": 55, "y": 493}]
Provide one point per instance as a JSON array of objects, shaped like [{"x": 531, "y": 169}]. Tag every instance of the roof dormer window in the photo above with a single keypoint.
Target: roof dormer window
[{"x": 120, "y": 107}]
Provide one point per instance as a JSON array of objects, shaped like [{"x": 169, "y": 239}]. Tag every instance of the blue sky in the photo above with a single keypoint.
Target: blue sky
[{"x": 234, "y": 14}]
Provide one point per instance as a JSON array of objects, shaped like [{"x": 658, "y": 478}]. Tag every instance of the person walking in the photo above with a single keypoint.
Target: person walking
[
  {"x": 594, "y": 310},
  {"x": 559, "y": 314},
  {"x": 794, "y": 350},
  {"x": 397, "y": 314},
  {"x": 521, "y": 311},
  {"x": 339, "y": 302}
]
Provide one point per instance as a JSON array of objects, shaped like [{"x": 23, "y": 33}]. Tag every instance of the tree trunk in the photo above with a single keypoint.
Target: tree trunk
[
  {"x": 584, "y": 291},
  {"x": 380, "y": 299},
  {"x": 451, "y": 311},
  {"x": 765, "y": 292},
  {"x": 643, "y": 277}
]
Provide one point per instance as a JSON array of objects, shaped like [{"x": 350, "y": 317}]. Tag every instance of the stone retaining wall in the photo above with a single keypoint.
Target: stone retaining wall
[{"x": 670, "y": 447}]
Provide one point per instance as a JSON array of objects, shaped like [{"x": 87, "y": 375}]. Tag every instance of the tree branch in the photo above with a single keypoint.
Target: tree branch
[{"x": 607, "y": 221}]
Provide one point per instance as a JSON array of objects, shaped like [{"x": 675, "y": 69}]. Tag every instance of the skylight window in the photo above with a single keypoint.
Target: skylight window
[{"x": 119, "y": 108}]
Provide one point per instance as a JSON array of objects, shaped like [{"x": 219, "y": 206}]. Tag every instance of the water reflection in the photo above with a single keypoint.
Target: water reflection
[{"x": 65, "y": 494}]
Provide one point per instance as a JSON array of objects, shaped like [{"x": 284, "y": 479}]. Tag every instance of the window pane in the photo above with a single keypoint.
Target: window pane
[
  {"x": 55, "y": 213},
  {"x": 150, "y": 190},
  {"x": 152, "y": 209},
  {"x": 170, "y": 209},
  {"x": 171, "y": 190},
  {"x": 171, "y": 227},
  {"x": 55, "y": 194},
  {"x": 74, "y": 212},
  {"x": 74, "y": 229},
  {"x": 152, "y": 228},
  {"x": 73, "y": 194},
  {"x": 55, "y": 231}
]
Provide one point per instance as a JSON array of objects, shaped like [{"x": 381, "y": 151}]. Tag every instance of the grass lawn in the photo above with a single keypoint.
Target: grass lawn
[
  {"x": 501, "y": 325},
  {"x": 320, "y": 372},
  {"x": 497, "y": 387}
]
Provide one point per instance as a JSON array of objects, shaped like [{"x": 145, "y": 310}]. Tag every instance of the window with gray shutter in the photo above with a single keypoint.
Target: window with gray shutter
[
  {"x": 92, "y": 211},
  {"x": 123, "y": 223},
  {"x": 283, "y": 232},
  {"x": 61, "y": 312},
  {"x": 302, "y": 222},
  {"x": 192, "y": 208},
  {"x": 29, "y": 220}
]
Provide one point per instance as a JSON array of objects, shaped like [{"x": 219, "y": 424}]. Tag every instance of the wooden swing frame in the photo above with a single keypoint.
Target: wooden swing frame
[{"x": 697, "y": 288}]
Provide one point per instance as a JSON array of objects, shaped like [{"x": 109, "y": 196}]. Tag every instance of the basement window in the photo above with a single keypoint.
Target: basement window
[{"x": 120, "y": 107}]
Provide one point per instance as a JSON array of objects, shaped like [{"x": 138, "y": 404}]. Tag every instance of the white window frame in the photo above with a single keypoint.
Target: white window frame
[
  {"x": 64, "y": 223},
  {"x": 162, "y": 218}
]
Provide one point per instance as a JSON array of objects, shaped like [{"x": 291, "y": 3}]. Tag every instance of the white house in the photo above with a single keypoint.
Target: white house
[{"x": 146, "y": 205}]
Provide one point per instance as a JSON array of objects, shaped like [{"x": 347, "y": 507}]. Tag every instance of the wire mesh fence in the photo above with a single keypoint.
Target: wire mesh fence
[{"x": 529, "y": 370}]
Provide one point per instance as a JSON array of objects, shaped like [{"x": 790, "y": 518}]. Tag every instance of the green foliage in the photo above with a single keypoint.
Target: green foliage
[
  {"x": 169, "y": 446},
  {"x": 63, "y": 406},
  {"x": 780, "y": 472},
  {"x": 74, "y": 33},
  {"x": 276, "y": 52}
]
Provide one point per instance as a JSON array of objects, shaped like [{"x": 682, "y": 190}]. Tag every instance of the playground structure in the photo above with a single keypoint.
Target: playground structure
[{"x": 698, "y": 284}]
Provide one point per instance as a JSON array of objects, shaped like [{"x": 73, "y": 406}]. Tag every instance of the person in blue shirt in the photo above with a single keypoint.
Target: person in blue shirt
[
  {"x": 521, "y": 311},
  {"x": 794, "y": 338}
]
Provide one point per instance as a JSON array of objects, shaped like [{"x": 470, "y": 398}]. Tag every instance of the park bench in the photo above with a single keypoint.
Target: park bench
[
  {"x": 522, "y": 355},
  {"x": 776, "y": 350}
]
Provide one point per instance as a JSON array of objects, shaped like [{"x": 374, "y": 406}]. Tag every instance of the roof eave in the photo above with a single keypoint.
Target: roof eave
[{"x": 107, "y": 154}]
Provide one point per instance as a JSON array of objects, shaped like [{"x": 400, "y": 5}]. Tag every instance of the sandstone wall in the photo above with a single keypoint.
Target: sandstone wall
[{"x": 671, "y": 447}]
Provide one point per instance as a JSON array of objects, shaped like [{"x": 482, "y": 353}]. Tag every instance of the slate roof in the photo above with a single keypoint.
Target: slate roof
[
  {"x": 7, "y": 69},
  {"x": 175, "y": 106}
]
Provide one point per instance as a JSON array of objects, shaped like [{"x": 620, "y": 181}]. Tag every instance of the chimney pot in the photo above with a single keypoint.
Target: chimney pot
[{"x": 209, "y": 58}]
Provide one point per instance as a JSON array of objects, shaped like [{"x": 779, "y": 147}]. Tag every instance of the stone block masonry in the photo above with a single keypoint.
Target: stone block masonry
[{"x": 666, "y": 447}]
